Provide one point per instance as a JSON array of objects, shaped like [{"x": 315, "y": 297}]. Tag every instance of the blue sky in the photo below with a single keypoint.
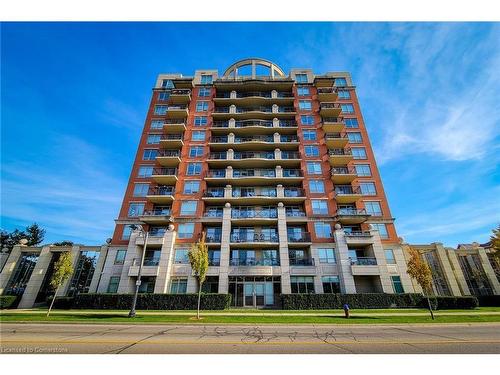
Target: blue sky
[{"x": 74, "y": 98}]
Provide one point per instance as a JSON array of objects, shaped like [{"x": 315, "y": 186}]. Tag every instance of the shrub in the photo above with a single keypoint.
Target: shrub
[
  {"x": 491, "y": 301},
  {"x": 8, "y": 302},
  {"x": 63, "y": 303},
  {"x": 150, "y": 301},
  {"x": 372, "y": 301}
]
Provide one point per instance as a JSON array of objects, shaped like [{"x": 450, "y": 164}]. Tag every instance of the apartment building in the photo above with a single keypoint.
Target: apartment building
[{"x": 276, "y": 169}]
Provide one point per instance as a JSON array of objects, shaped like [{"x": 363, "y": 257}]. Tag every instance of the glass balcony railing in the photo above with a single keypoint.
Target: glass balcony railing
[
  {"x": 250, "y": 214},
  {"x": 214, "y": 193},
  {"x": 299, "y": 237},
  {"x": 158, "y": 212},
  {"x": 214, "y": 213},
  {"x": 216, "y": 173},
  {"x": 164, "y": 171},
  {"x": 351, "y": 211},
  {"x": 147, "y": 262},
  {"x": 237, "y": 193},
  {"x": 254, "y": 173},
  {"x": 161, "y": 190},
  {"x": 292, "y": 173},
  {"x": 291, "y": 192},
  {"x": 254, "y": 237},
  {"x": 254, "y": 262},
  {"x": 288, "y": 138},
  {"x": 253, "y": 155},
  {"x": 301, "y": 262},
  {"x": 347, "y": 190},
  {"x": 290, "y": 155},
  {"x": 364, "y": 261}
]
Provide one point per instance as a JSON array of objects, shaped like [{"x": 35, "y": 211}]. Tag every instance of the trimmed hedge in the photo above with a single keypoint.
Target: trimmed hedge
[
  {"x": 8, "y": 302},
  {"x": 63, "y": 303},
  {"x": 490, "y": 301},
  {"x": 150, "y": 301},
  {"x": 372, "y": 301}
]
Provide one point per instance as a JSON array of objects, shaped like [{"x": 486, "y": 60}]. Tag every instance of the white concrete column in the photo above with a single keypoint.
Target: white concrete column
[
  {"x": 447, "y": 270},
  {"x": 75, "y": 255},
  {"x": 230, "y": 138},
  {"x": 229, "y": 172},
  {"x": 276, "y": 123},
  {"x": 277, "y": 154},
  {"x": 232, "y": 108},
  {"x": 274, "y": 94},
  {"x": 233, "y": 94},
  {"x": 379, "y": 254},
  {"x": 275, "y": 108},
  {"x": 10, "y": 266},
  {"x": 283, "y": 250},
  {"x": 36, "y": 279},
  {"x": 99, "y": 268},
  {"x": 230, "y": 154},
  {"x": 401, "y": 265},
  {"x": 225, "y": 249},
  {"x": 488, "y": 270},
  {"x": 280, "y": 191},
  {"x": 127, "y": 284},
  {"x": 228, "y": 191},
  {"x": 192, "y": 285},
  {"x": 232, "y": 123},
  {"x": 279, "y": 171},
  {"x": 343, "y": 263},
  {"x": 276, "y": 137},
  {"x": 457, "y": 271},
  {"x": 166, "y": 260}
]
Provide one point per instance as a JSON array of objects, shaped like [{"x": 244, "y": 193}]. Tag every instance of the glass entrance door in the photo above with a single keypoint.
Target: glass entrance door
[
  {"x": 259, "y": 295},
  {"x": 254, "y": 294},
  {"x": 248, "y": 289}
]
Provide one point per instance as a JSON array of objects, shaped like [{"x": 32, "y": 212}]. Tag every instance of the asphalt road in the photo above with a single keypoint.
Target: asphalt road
[{"x": 241, "y": 339}]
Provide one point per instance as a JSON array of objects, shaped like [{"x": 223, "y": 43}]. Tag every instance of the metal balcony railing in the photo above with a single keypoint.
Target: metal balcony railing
[
  {"x": 329, "y": 105},
  {"x": 285, "y": 95},
  {"x": 343, "y": 170},
  {"x": 174, "y": 121},
  {"x": 287, "y": 123},
  {"x": 254, "y": 173},
  {"x": 291, "y": 192},
  {"x": 214, "y": 193},
  {"x": 158, "y": 212},
  {"x": 214, "y": 262},
  {"x": 290, "y": 155},
  {"x": 180, "y": 92},
  {"x": 327, "y": 90},
  {"x": 347, "y": 190},
  {"x": 299, "y": 237},
  {"x": 286, "y": 109},
  {"x": 216, "y": 173},
  {"x": 254, "y": 193},
  {"x": 364, "y": 261},
  {"x": 268, "y": 213},
  {"x": 294, "y": 213},
  {"x": 334, "y": 136},
  {"x": 177, "y": 107},
  {"x": 333, "y": 119},
  {"x": 214, "y": 213},
  {"x": 339, "y": 151},
  {"x": 301, "y": 262},
  {"x": 358, "y": 234},
  {"x": 164, "y": 171},
  {"x": 245, "y": 123},
  {"x": 219, "y": 139},
  {"x": 148, "y": 262},
  {"x": 218, "y": 155},
  {"x": 255, "y": 138},
  {"x": 351, "y": 211},
  {"x": 213, "y": 238},
  {"x": 254, "y": 262},
  {"x": 254, "y": 237},
  {"x": 292, "y": 173},
  {"x": 253, "y": 155},
  {"x": 288, "y": 138},
  {"x": 220, "y": 124},
  {"x": 171, "y": 137},
  {"x": 161, "y": 190},
  {"x": 169, "y": 153}
]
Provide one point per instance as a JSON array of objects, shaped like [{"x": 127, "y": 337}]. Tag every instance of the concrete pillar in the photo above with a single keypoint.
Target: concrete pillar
[
  {"x": 229, "y": 172},
  {"x": 379, "y": 254},
  {"x": 232, "y": 108},
  {"x": 457, "y": 271},
  {"x": 279, "y": 171},
  {"x": 283, "y": 250},
  {"x": 232, "y": 123},
  {"x": 230, "y": 154},
  {"x": 99, "y": 268},
  {"x": 276, "y": 123},
  {"x": 447, "y": 270},
  {"x": 343, "y": 263},
  {"x": 10, "y": 267},
  {"x": 275, "y": 108},
  {"x": 233, "y": 94},
  {"x": 401, "y": 264},
  {"x": 166, "y": 260},
  {"x": 276, "y": 138},
  {"x": 192, "y": 285},
  {"x": 488, "y": 270},
  {"x": 277, "y": 154},
  {"x": 36, "y": 279},
  {"x": 230, "y": 138},
  {"x": 280, "y": 191},
  {"x": 274, "y": 94},
  {"x": 225, "y": 249},
  {"x": 127, "y": 284}
]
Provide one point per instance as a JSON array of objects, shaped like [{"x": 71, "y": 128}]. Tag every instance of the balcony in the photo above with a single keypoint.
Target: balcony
[
  {"x": 240, "y": 113},
  {"x": 177, "y": 111},
  {"x": 171, "y": 141},
  {"x": 214, "y": 193},
  {"x": 180, "y": 96},
  {"x": 150, "y": 267},
  {"x": 347, "y": 194},
  {"x": 254, "y": 159},
  {"x": 213, "y": 239},
  {"x": 324, "y": 81},
  {"x": 256, "y": 83},
  {"x": 174, "y": 125},
  {"x": 302, "y": 262},
  {"x": 327, "y": 94},
  {"x": 330, "y": 109},
  {"x": 339, "y": 156},
  {"x": 156, "y": 216},
  {"x": 364, "y": 266},
  {"x": 249, "y": 98},
  {"x": 358, "y": 238},
  {"x": 161, "y": 194},
  {"x": 251, "y": 238},
  {"x": 293, "y": 195},
  {"x": 253, "y": 195},
  {"x": 343, "y": 175},
  {"x": 213, "y": 213},
  {"x": 333, "y": 124},
  {"x": 351, "y": 216},
  {"x": 299, "y": 238},
  {"x": 169, "y": 158},
  {"x": 254, "y": 215},
  {"x": 251, "y": 262},
  {"x": 165, "y": 176},
  {"x": 336, "y": 140},
  {"x": 296, "y": 215}
]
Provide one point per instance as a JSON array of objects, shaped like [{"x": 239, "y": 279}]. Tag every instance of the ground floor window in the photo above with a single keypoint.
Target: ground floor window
[
  {"x": 302, "y": 284},
  {"x": 211, "y": 285},
  {"x": 147, "y": 284},
  {"x": 178, "y": 285},
  {"x": 113, "y": 284},
  {"x": 331, "y": 284},
  {"x": 84, "y": 271},
  {"x": 397, "y": 285}
]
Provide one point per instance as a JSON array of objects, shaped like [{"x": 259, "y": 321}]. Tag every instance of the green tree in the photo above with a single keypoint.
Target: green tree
[
  {"x": 421, "y": 273},
  {"x": 63, "y": 269},
  {"x": 198, "y": 257},
  {"x": 63, "y": 243},
  {"x": 495, "y": 243},
  {"x": 34, "y": 234}
]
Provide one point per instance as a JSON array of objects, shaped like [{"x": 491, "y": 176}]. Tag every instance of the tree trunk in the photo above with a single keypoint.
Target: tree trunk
[
  {"x": 199, "y": 300},
  {"x": 52, "y": 303},
  {"x": 430, "y": 307}
]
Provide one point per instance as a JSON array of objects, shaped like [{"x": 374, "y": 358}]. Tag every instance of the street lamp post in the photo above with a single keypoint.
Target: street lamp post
[{"x": 131, "y": 314}]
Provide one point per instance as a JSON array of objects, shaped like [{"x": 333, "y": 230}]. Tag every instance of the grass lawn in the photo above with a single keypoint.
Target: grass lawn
[{"x": 336, "y": 318}]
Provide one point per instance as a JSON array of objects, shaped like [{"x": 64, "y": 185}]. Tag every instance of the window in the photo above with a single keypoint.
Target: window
[
  {"x": 163, "y": 96},
  {"x": 368, "y": 188},
  {"x": 305, "y": 105},
  {"x": 178, "y": 286},
  {"x": 113, "y": 284},
  {"x": 327, "y": 256},
  {"x": 331, "y": 284},
  {"x": 313, "y": 167},
  {"x": 351, "y": 123},
  {"x": 160, "y": 109},
  {"x": 181, "y": 256},
  {"x": 347, "y": 108},
  {"x": 141, "y": 190},
  {"x": 149, "y": 154},
  {"x": 340, "y": 82},
  {"x": 389, "y": 256},
  {"x": 204, "y": 91},
  {"x": 358, "y": 152},
  {"x": 198, "y": 135},
  {"x": 382, "y": 230},
  {"x": 127, "y": 231},
  {"x": 301, "y": 78},
  {"x": 167, "y": 83},
  {"x": 363, "y": 170},
  {"x": 191, "y": 187},
  {"x": 157, "y": 124},
  {"x": 153, "y": 139},
  {"x": 200, "y": 121},
  {"x": 188, "y": 208},
  {"x": 145, "y": 171},
  {"x": 373, "y": 208},
  {"x": 120, "y": 256},
  {"x": 186, "y": 230},
  {"x": 135, "y": 209},
  {"x": 201, "y": 106},
  {"x": 206, "y": 79},
  {"x": 397, "y": 285},
  {"x": 302, "y": 284},
  {"x": 309, "y": 135},
  {"x": 307, "y": 120},
  {"x": 344, "y": 94},
  {"x": 319, "y": 207},
  {"x": 303, "y": 91},
  {"x": 193, "y": 169},
  {"x": 311, "y": 150},
  {"x": 354, "y": 137},
  {"x": 316, "y": 186},
  {"x": 195, "y": 151},
  {"x": 322, "y": 229}
]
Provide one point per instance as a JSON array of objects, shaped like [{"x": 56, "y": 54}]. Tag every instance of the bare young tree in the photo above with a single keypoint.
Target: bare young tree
[{"x": 198, "y": 257}]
